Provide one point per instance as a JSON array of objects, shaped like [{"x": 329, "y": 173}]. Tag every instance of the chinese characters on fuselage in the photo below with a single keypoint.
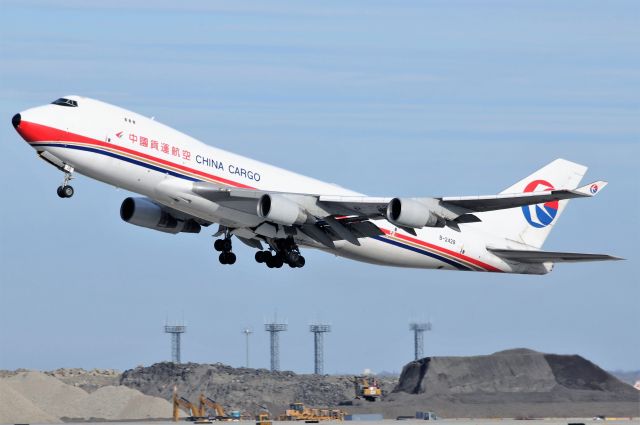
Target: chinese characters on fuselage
[{"x": 174, "y": 151}]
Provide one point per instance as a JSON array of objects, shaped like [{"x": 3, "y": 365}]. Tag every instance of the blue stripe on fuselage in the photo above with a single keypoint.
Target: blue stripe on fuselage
[
  {"x": 420, "y": 251},
  {"x": 121, "y": 157}
]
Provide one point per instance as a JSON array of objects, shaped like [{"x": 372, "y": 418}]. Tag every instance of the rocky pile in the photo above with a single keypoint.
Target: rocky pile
[
  {"x": 243, "y": 389},
  {"x": 515, "y": 383},
  {"x": 88, "y": 380},
  {"x": 35, "y": 397}
]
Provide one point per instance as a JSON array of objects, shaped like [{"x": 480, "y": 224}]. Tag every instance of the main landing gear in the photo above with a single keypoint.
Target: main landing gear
[
  {"x": 65, "y": 190},
  {"x": 281, "y": 252},
  {"x": 224, "y": 247},
  {"x": 286, "y": 251}
]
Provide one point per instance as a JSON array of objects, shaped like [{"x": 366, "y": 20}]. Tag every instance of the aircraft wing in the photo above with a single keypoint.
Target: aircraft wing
[
  {"x": 526, "y": 256},
  {"x": 347, "y": 217},
  {"x": 467, "y": 204},
  {"x": 504, "y": 201}
]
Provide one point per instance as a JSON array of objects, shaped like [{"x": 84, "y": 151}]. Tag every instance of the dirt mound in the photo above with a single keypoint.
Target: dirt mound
[
  {"x": 16, "y": 408},
  {"x": 47, "y": 393},
  {"x": 38, "y": 397},
  {"x": 510, "y": 378}
]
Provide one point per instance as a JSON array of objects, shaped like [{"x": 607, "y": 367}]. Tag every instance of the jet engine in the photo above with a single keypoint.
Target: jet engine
[
  {"x": 146, "y": 213},
  {"x": 281, "y": 210},
  {"x": 408, "y": 212}
]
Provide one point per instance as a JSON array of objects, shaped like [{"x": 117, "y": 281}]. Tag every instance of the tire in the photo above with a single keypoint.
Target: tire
[
  {"x": 301, "y": 262},
  {"x": 231, "y": 258},
  {"x": 292, "y": 257},
  {"x": 277, "y": 262},
  {"x": 269, "y": 260},
  {"x": 226, "y": 245},
  {"x": 260, "y": 257},
  {"x": 218, "y": 245},
  {"x": 67, "y": 191},
  {"x": 60, "y": 193},
  {"x": 223, "y": 258}
]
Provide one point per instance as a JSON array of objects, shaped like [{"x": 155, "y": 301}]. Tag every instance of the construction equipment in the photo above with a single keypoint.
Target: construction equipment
[
  {"x": 262, "y": 418},
  {"x": 367, "y": 387},
  {"x": 298, "y": 412},
  {"x": 197, "y": 413},
  {"x": 220, "y": 414}
]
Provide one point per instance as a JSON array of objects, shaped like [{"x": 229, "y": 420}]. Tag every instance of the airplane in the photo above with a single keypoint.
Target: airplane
[{"x": 186, "y": 185}]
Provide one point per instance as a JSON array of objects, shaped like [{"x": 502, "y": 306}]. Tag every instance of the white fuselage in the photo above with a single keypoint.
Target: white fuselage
[{"x": 139, "y": 154}]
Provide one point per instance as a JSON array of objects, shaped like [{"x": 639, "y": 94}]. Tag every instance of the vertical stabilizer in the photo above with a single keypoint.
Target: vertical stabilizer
[{"x": 532, "y": 224}]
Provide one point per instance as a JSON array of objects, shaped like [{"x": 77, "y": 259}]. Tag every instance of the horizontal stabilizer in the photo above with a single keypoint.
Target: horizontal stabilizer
[{"x": 526, "y": 256}]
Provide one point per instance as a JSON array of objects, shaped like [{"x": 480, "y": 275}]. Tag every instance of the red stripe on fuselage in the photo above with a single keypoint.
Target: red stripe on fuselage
[
  {"x": 34, "y": 133},
  {"x": 457, "y": 255}
]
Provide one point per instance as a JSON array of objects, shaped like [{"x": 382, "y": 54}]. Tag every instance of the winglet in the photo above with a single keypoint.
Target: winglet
[{"x": 591, "y": 189}]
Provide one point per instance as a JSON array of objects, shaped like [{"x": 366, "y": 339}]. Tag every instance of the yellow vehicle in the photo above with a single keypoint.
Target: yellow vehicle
[
  {"x": 367, "y": 387},
  {"x": 197, "y": 413},
  {"x": 298, "y": 412},
  {"x": 220, "y": 414},
  {"x": 262, "y": 418}
]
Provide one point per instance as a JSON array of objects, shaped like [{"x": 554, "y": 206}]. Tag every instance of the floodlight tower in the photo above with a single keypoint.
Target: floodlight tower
[
  {"x": 274, "y": 330},
  {"x": 247, "y": 332},
  {"x": 175, "y": 332},
  {"x": 418, "y": 337},
  {"x": 318, "y": 346}
]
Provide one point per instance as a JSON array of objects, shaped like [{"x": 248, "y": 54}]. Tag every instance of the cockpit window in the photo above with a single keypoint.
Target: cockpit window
[{"x": 65, "y": 102}]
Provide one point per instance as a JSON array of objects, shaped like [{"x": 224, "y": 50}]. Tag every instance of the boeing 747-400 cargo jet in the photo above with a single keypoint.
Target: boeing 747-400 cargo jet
[{"x": 186, "y": 184}]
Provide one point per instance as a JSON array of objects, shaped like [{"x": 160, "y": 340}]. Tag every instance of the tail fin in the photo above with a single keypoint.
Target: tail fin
[{"x": 532, "y": 224}]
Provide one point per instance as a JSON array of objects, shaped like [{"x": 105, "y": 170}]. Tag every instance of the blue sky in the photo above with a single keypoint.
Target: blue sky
[{"x": 405, "y": 98}]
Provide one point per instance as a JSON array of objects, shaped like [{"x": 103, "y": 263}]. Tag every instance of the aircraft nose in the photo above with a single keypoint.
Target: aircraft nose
[{"x": 16, "y": 120}]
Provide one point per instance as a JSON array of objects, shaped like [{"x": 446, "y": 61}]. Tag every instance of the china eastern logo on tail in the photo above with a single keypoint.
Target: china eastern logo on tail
[{"x": 540, "y": 215}]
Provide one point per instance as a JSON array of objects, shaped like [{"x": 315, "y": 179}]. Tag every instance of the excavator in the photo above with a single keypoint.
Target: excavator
[
  {"x": 367, "y": 387},
  {"x": 197, "y": 412},
  {"x": 263, "y": 417},
  {"x": 220, "y": 414}
]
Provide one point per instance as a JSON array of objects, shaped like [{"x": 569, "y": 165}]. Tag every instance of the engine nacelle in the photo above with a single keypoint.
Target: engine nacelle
[
  {"x": 281, "y": 210},
  {"x": 408, "y": 212},
  {"x": 145, "y": 213}
]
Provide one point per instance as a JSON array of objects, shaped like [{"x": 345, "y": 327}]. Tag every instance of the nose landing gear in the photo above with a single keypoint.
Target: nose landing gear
[
  {"x": 65, "y": 190},
  {"x": 224, "y": 246}
]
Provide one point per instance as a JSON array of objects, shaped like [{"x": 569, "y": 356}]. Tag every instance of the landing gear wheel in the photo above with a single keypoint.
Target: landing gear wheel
[
  {"x": 300, "y": 262},
  {"x": 68, "y": 191},
  {"x": 226, "y": 245},
  {"x": 231, "y": 258},
  {"x": 260, "y": 257},
  {"x": 269, "y": 260},
  {"x": 227, "y": 258},
  {"x": 65, "y": 191},
  {"x": 292, "y": 257},
  {"x": 218, "y": 245}
]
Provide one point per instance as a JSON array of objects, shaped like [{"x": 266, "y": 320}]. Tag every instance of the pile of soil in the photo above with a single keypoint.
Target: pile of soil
[
  {"x": 36, "y": 397},
  {"x": 518, "y": 382}
]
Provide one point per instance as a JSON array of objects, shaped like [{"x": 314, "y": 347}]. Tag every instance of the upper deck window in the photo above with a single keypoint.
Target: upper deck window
[{"x": 65, "y": 102}]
